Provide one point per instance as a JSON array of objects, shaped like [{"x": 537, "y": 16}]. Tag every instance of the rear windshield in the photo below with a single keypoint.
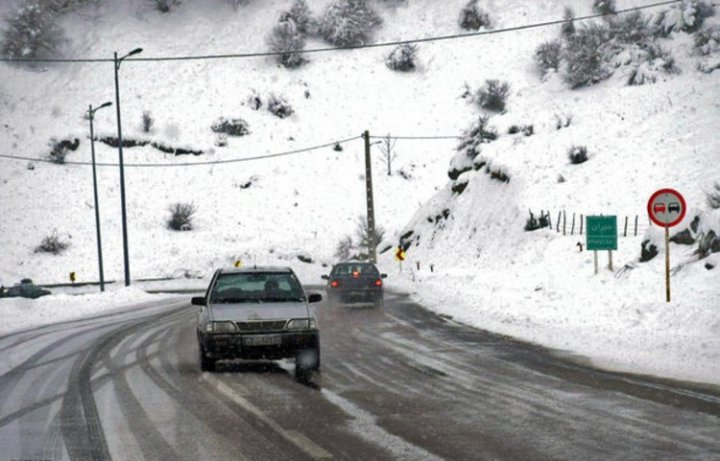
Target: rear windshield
[
  {"x": 349, "y": 269},
  {"x": 257, "y": 287}
]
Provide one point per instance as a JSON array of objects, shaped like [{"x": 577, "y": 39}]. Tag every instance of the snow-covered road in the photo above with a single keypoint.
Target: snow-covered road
[{"x": 399, "y": 383}]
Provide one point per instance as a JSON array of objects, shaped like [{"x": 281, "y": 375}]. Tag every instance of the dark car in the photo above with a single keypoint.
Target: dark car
[
  {"x": 25, "y": 289},
  {"x": 259, "y": 313},
  {"x": 355, "y": 282}
]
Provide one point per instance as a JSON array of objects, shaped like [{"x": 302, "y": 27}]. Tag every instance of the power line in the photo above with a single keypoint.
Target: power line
[
  {"x": 212, "y": 162},
  {"x": 415, "y": 137},
  {"x": 351, "y": 47}
]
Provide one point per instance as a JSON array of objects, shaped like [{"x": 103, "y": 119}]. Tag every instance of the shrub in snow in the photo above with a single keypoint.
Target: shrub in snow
[
  {"x": 164, "y": 6},
  {"x": 231, "y": 127},
  {"x": 348, "y": 22},
  {"x": 60, "y": 149},
  {"x": 687, "y": 16},
  {"x": 631, "y": 28},
  {"x": 147, "y": 122},
  {"x": 344, "y": 248},
  {"x": 648, "y": 251},
  {"x": 300, "y": 14},
  {"x": 707, "y": 40},
  {"x": 460, "y": 185},
  {"x": 568, "y": 28},
  {"x": 527, "y": 130},
  {"x": 279, "y": 106},
  {"x": 31, "y": 32},
  {"x": 708, "y": 243},
  {"x": 349, "y": 248},
  {"x": 476, "y": 135},
  {"x": 363, "y": 235},
  {"x": 713, "y": 197},
  {"x": 492, "y": 95},
  {"x": 604, "y": 6},
  {"x": 287, "y": 40},
  {"x": 181, "y": 216},
  {"x": 221, "y": 140},
  {"x": 254, "y": 100},
  {"x": 237, "y": 3},
  {"x": 585, "y": 55},
  {"x": 498, "y": 174},
  {"x": 473, "y": 17},
  {"x": 402, "y": 58},
  {"x": 577, "y": 154},
  {"x": 562, "y": 121},
  {"x": 649, "y": 63},
  {"x": 547, "y": 55},
  {"x": 52, "y": 244}
]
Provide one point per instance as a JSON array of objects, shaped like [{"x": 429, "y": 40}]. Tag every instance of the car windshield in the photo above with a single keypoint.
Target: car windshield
[
  {"x": 254, "y": 287},
  {"x": 367, "y": 270}
]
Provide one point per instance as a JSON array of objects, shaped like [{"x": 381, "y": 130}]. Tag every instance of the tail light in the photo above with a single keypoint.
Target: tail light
[
  {"x": 378, "y": 283},
  {"x": 334, "y": 284}
]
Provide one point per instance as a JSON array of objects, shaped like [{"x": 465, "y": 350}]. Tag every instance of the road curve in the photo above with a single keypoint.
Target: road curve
[{"x": 397, "y": 383}]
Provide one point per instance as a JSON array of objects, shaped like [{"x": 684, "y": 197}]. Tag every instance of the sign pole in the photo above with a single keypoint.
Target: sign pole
[
  {"x": 610, "y": 266},
  {"x": 667, "y": 263},
  {"x": 595, "y": 258},
  {"x": 667, "y": 208}
]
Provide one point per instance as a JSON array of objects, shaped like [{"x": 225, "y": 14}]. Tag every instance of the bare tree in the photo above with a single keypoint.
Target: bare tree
[{"x": 387, "y": 147}]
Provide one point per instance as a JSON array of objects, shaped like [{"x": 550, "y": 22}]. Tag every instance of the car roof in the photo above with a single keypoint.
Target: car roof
[
  {"x": 354, "y": 263},
  {"x": 256, "y": 269}
]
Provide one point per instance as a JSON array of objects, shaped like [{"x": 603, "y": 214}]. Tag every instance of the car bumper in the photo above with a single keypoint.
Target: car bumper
[
  {"x": 351, "y": 296},
  {"x": 251, "y": 347}
]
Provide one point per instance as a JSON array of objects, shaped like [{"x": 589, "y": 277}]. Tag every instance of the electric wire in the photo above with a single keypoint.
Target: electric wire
[
  {"x": 350, "y": 47},
  {"x": 184, "y": 164},
  {"x": 415, "y": 137}
]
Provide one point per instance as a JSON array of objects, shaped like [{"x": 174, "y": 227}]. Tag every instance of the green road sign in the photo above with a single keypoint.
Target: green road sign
[{"x": 601, "y": 232}]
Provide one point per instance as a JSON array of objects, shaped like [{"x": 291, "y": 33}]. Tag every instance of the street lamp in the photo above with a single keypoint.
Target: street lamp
[
  {"x": 91, "y": 116},
  {"x": 126, "y": 256}
]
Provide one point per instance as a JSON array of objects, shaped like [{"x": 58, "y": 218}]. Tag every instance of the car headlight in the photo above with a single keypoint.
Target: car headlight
[
  {"x": 220, "y": 327},
  {"x": 300, "y": 324}
]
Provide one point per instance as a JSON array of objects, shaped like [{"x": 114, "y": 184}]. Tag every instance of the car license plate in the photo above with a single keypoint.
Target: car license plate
[{"x": 262, "y": 340}]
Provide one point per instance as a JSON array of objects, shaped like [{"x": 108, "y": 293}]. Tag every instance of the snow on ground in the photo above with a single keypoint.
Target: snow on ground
[
  {"x": 489, "y": 273},
  {"x": 21, "y": 313}
]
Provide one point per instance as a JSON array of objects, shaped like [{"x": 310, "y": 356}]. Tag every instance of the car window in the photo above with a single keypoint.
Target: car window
[
  {"x": 349, "y": 269},
  {"x": 256, "y": 287}
]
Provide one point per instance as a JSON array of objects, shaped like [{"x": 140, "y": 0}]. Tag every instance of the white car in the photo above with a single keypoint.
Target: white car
[{"x": 257, "y": 313}]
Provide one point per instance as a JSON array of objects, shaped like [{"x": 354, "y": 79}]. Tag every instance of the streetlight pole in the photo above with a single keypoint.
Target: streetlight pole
[
  {"x": 126, "y": 253},
  {"x": 91, "y": 116}
]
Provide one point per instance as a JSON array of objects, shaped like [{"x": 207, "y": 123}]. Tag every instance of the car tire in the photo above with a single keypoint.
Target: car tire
[{"x": 206, "y": 363}]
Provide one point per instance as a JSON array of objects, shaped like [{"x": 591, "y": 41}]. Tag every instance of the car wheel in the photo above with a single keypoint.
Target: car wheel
[{"x": 206, "y": 363}]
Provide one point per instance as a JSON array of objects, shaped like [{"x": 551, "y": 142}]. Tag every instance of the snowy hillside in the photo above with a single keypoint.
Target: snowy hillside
[{"x": 488, "y": 270}]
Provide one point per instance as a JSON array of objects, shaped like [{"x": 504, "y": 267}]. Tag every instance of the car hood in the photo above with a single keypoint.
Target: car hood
[{"x": 243, "y": 312}]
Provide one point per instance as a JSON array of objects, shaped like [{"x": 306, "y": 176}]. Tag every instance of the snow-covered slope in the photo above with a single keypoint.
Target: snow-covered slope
[{"x": 488, "y": 270}]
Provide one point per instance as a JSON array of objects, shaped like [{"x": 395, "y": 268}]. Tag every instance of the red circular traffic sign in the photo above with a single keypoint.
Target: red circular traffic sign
[{"x": 666, "y": 207}]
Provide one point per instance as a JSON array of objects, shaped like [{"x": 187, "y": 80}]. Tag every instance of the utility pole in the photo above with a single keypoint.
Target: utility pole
[{"x": 372, "y": 244}]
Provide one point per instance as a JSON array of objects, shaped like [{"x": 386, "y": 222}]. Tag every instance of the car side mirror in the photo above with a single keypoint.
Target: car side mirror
[
  {"x": 325, "y": 277},
  {"x": 383, "y": 276},
  {"x": 198, "y": 301},
  {"x": 314, "y": 298}
]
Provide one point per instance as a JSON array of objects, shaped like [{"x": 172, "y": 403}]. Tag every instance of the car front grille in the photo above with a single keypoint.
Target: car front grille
[{"x": 261, "y": 325}]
